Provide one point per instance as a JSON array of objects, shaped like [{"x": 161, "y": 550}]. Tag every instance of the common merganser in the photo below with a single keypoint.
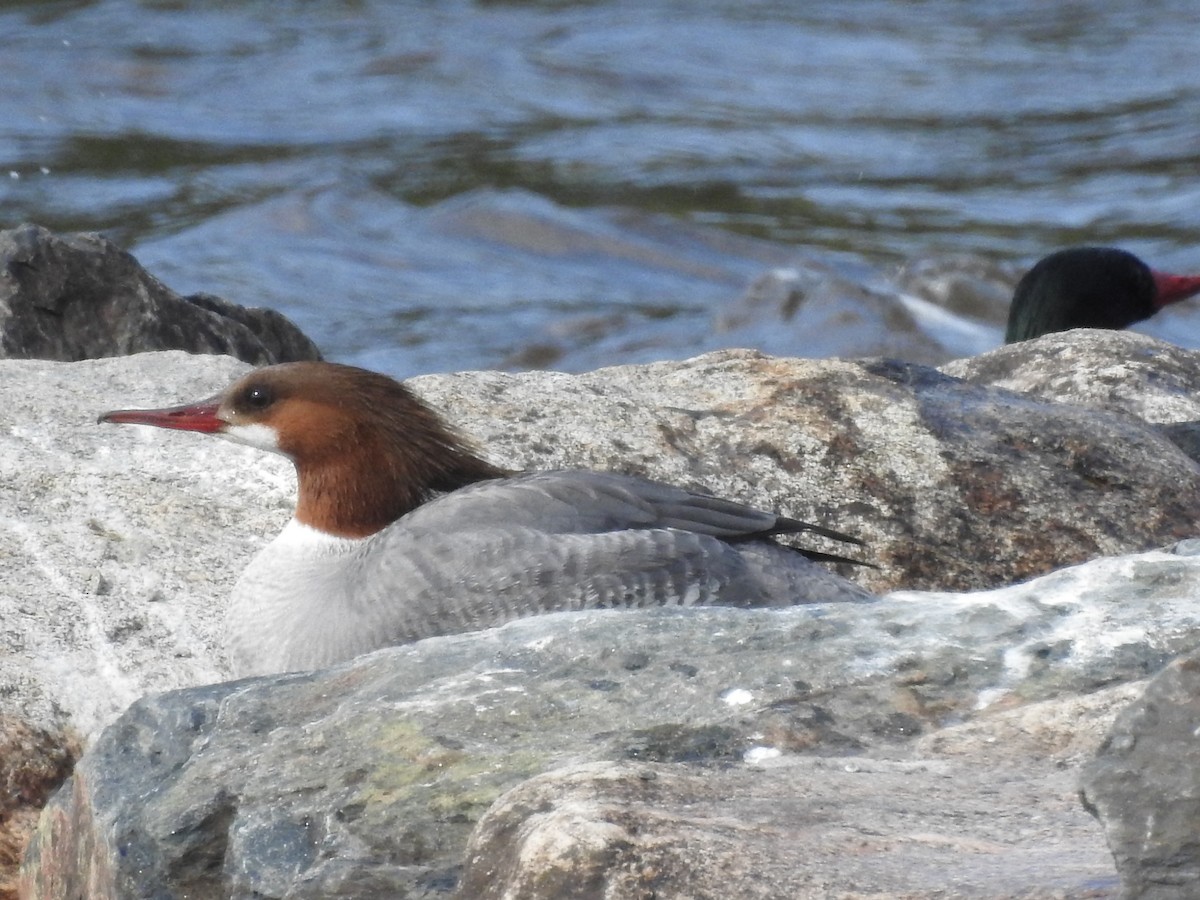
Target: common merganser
[
  {"x": 1091, "y": 287},
  {"x": 401, "y": 531}
]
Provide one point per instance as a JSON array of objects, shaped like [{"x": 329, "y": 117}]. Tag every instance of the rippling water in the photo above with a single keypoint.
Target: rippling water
[{"x": 428, "y": 186}]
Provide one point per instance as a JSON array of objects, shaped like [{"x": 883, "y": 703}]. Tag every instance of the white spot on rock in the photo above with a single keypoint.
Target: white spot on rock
[
  {"x": 761, "y": 754},
  {"x": 737, "y": 697}
]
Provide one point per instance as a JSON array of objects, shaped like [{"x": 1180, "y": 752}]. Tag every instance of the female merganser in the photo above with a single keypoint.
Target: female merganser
[
  {"x": 1091, "y": 287},
  {"x": 402, "y": 532}
]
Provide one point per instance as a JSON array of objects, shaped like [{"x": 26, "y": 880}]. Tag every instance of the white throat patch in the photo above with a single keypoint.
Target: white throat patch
[
  {"x": 256, "y": 435},
  {"x": 298, "y": 536}
]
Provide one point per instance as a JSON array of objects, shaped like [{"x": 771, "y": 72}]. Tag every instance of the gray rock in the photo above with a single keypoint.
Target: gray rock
[
  {"x": 791, "y": 828},
  {"x": 121, "y": 546},
  {"x": 1117, "y": 371},
  {"x": 33, "y": 764},
  {"x": 366, "y": 780},
  {"x": 78, "y": 296},
  {"x": 1144, "y": 787},
  {"x": 93, "y": 613}
]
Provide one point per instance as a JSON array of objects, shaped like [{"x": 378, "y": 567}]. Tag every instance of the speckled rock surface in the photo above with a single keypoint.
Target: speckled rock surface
[
  {"x": 121, "y": 544},
  {"x": 119, "y": 548},
  {"x": 33, "y": 763},
  {"x": 789, "y": 829},
  {"x": 367, "y": 780},
  {"x": 1115, "y": 371},
  {"x": 1144, "y": 786},
  {"x": 1119, "y": 371}
]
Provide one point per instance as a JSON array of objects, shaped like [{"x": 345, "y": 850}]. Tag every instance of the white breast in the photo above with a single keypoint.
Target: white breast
[{"x": 291, "y": 608}]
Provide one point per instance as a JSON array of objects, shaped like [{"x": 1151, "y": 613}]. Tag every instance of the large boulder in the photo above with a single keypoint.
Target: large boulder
[
  {"x": 79, "y": 296},
  {"x": 121, "y": 544},
  {"x": 791, "y": 828},
  {"x": 124, "y": 542},
  {"x": 817, "y": 745}
]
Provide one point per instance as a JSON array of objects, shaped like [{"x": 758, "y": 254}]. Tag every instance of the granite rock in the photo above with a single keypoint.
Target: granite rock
[
  {"x": 121, "y": 545},
  {"x": 1116, "y": 371},
  {"x": 33, "y": 764},
  {"x": 962, "y": 716},
  {"x": 786, "y": 829},
  {"x": 368, "y": 779},
  {"x": 1144, "y": 786}
]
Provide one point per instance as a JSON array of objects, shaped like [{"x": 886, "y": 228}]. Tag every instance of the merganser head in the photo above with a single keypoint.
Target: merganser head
[
  {"x": 366, "y": 449},
  {"x": 1091, "y": 287}
]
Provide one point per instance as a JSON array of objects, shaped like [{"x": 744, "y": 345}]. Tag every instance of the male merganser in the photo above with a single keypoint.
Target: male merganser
[
  {"x": 402, "y": 532},
  {"x": 1091, "y": 287}
]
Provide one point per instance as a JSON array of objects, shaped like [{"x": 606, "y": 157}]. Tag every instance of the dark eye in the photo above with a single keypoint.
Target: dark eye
[{"x": 257, "y": 397}]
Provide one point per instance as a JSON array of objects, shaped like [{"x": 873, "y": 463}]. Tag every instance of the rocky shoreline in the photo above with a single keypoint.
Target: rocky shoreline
[{"x": 1031, "y": 512}]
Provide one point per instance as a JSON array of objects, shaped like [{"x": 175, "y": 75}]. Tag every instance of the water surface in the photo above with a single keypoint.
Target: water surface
[{"x": 428, "y": 186}]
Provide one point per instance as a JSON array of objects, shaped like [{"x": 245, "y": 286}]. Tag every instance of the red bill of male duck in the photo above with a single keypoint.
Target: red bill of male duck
[
  {"x": 1091, "y": 287},
  {"x": 402, "y": 531}
]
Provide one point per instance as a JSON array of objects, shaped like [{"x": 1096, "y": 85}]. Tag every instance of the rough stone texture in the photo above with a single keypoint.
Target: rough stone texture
[
  {"x": 794, "y": 828},
  {"x": 1144, "y": 786},
  {"x": 121, "y": 544},
  {"x": 79, "y": 296},
  {"x": 33, "y": 763},
  {"x": 119, "y": 549},
  {"x": 92, "y": 614},
  {"x": 1118, "y": 371},
  {"x": 366, "y": 780}
]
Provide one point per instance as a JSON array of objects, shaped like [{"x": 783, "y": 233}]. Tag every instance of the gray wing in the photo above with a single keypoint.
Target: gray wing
[
  {"x": 479, "y": 577},
  {"x": 399, "y": 586},
  {"x": 584, "y": 502}
]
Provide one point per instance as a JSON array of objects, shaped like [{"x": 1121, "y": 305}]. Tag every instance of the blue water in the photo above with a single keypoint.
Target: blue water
[{"x": 429, "y": 186}]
